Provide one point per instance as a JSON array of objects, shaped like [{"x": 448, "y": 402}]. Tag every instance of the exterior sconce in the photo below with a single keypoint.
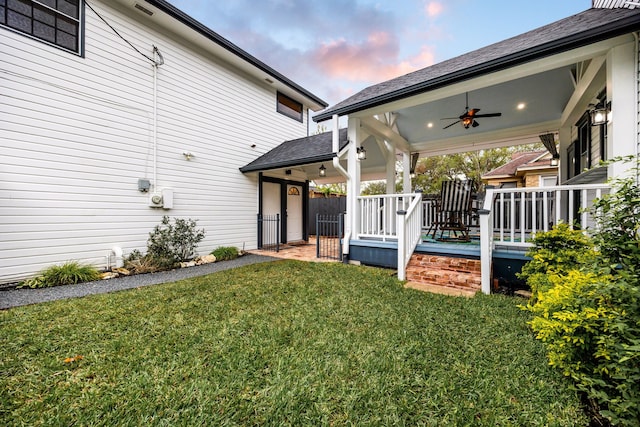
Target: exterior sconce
[
  {"x": 600, "y": 114},
  {"x": 554, "y": 161},
  {"x": 322, "y": 171},
  {"x": 362, "y": 153},
  {"x": 187, "y": 155}
]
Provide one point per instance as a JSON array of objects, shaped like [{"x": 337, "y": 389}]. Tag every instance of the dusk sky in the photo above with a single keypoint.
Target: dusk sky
[{"x": 334, "y": 48}]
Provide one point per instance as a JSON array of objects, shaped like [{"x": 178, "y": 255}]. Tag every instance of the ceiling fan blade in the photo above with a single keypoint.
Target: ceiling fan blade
[
  {"x": 450, "y": 118},
  {"x": 448, "y": 126},
  {"x": 472, "y": 112},
  {"x": 475, "y": 124},
  {"x": 489, "y": 115}
]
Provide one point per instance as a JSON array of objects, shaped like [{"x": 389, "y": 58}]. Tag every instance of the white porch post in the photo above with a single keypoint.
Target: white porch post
[
  {"x": 353, "y": 185},
  {"x": 391, "y": 167},
  {"x": 621, "y": 91},
  {"x": 406, "y": 172}
]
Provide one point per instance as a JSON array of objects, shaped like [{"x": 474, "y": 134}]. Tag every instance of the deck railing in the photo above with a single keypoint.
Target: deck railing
[
  {"x": 378, "y": 214},
  {"x": 511, "y": 217},
  {"x": 409, "y": 233}
]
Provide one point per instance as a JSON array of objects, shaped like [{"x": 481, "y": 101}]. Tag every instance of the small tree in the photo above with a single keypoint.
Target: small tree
[{"x": 169, "y": 244}]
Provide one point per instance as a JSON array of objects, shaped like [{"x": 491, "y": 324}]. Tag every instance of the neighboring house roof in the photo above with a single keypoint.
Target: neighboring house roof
[
  {"x": 182, "y": 17},
  {"x": 524, "y": 160},
  {"x": 297, "y": 152},
  {"x": 582, "y": 29}
]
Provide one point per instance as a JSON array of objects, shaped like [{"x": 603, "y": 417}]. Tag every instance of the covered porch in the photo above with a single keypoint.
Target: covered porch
[{"x": 550, "y": 81}]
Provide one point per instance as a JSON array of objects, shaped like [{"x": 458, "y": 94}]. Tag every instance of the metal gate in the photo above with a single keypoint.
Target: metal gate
[
  {"x": 329, "y": 233},
  {"x": 269, "y": 232}
]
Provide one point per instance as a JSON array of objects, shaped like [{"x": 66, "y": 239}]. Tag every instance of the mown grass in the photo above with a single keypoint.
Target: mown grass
[{"x": 283, "y": 343}]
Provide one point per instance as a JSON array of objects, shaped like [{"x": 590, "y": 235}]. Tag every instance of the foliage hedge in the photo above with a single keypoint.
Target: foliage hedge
[{"x": 586, "y": 303}]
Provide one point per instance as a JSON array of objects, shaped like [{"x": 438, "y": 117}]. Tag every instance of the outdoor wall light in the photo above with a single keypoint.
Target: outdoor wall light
[
  {"x": 322, "y": 171},
  {"x": 187, "y": 155},
  {"x": 362, "y": 153},
  {"x": 600, "y": 114}
]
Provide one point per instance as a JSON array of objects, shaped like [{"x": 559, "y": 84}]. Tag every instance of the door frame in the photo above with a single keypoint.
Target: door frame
[{"x": 283, "y": 203}]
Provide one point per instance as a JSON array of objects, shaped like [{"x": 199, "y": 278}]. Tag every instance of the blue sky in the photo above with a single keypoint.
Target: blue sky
[{"x": 335, "y": 48}]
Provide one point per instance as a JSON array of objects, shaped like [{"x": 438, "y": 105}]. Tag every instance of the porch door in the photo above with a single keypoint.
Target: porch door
[{"x": 294, "y": 213}]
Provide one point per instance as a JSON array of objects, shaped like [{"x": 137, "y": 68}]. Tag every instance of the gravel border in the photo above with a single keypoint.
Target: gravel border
[{"x": 19, "y": 297}]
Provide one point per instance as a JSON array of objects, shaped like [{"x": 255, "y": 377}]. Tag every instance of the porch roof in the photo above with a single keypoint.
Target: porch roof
[
  {"x": 582, "y": 29},
  {"x": 297, "y": 152}
]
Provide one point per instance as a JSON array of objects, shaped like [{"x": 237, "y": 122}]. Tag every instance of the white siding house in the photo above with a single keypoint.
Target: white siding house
[{"x": 78, "y": 130}]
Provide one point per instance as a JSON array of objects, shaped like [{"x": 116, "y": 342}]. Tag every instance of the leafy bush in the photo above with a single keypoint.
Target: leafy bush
[
  {"x": 556, "y": 252},
  {"x": 587, "y": 304},
  {"x": 169, "y": 244},
  {"x": 225, "y": 253},
  {"x": 69, "y": 273}
]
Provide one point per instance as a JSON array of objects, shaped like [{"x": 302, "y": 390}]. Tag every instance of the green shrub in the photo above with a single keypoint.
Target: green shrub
[
  {"x": 586, "y": 304},
  {"x": 69, "y": 273},
  {"x": 169, "y": 244},
  {"x": 225, "y": 253},
  {"x": 556, "y": 252}
]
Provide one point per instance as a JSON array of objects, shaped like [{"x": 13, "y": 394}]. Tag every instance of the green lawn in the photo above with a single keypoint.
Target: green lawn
[{"x": 283, "y": 343}]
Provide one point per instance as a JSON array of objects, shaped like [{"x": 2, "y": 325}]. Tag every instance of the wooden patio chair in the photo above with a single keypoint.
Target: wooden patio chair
[{"x": 453, "y": 211}]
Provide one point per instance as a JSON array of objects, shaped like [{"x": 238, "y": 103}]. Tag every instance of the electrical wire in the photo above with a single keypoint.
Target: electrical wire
[{"x": 155, "y": 49}]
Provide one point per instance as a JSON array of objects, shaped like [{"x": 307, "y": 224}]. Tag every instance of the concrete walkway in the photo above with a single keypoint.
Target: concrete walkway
[{"x": 18, "y": 297}]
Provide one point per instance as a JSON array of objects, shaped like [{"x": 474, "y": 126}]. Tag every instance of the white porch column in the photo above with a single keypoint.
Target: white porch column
[
  {"x": 353, "y": 185},
  {"x": 621, "y": 91},
  {"x": 406, "y": 172},
  {"x": 391, "y": 167}
]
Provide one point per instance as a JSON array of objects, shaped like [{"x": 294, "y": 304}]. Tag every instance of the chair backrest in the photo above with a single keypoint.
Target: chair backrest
[{"x": 455, "y": 196}]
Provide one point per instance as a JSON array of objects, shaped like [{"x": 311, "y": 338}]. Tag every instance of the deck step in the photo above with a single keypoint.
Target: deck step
[{"x": 447, "y": 271}]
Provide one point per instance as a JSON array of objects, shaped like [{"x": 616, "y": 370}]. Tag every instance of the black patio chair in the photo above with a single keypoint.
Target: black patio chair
[{"x": 453, "y": 211}]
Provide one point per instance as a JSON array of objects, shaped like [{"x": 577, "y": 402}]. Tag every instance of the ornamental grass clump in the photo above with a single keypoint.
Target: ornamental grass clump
[
  {"x": 69, "y": 273},
  {"x": 586, "y": 304}
]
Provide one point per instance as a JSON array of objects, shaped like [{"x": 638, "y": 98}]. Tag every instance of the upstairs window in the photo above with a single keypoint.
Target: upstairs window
[
  {"x": 57, "y": 22},
  {"x": 289, "y": 107}
]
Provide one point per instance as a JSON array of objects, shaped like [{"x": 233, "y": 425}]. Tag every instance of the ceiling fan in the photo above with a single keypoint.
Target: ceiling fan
[{"x": 468, "y": 118}]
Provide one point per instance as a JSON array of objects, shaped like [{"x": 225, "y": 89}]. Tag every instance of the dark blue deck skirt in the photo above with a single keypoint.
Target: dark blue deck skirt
[{"x": 506, "y": 262}]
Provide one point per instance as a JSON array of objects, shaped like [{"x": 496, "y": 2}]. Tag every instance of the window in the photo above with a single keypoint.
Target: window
[
  {"x": 53, "y": 21},
  {"x": 289, "y": 107},
  {"x": 579, "y": 152}
]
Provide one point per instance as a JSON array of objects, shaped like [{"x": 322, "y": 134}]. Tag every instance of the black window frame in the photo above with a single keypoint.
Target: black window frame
[
  {"x": 46, "y": 21},
  {"x": 287, "y": 110},
  {"x": 579, "y": 152}
]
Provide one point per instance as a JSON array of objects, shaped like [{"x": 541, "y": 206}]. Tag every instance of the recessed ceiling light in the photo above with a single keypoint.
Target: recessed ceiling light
[
  {"x": 429, "y": 125},
  {"x": 522, "y": 106}
]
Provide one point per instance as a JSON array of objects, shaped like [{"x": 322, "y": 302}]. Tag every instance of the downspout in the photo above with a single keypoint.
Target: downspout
[{"x": 637, "y": 102}]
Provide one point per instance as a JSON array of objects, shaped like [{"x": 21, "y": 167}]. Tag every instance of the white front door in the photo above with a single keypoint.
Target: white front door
[{"x": 294, "y": 213}]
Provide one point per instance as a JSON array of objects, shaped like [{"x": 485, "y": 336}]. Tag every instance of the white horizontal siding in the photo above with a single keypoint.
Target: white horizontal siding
[{"x": 77, "y": 133}]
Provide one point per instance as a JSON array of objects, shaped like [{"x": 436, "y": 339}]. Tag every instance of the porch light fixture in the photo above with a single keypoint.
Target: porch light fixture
[
  {"x": 322, "y": 171},
  {"x": 600, "y": 114},
  {"x": 554, "y": 161},
  {"x": 362, "y": 153}
]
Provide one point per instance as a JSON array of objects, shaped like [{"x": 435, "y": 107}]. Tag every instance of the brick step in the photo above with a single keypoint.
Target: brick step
[{"x": 451, "y": 272}]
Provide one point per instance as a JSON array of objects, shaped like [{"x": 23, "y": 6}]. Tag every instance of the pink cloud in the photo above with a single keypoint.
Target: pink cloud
[
  {"x": 433, "y": 9},
  {"x": 372, "y": 60}
]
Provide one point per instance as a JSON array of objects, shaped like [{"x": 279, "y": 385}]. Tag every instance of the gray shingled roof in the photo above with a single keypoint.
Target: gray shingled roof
[
  {"x": 298, "y": 152},
  {"x": 578, "y": 30}
]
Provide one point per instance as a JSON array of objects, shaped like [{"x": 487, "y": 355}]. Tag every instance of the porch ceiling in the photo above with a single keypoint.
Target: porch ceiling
[{"x": 543, "y": 95}]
